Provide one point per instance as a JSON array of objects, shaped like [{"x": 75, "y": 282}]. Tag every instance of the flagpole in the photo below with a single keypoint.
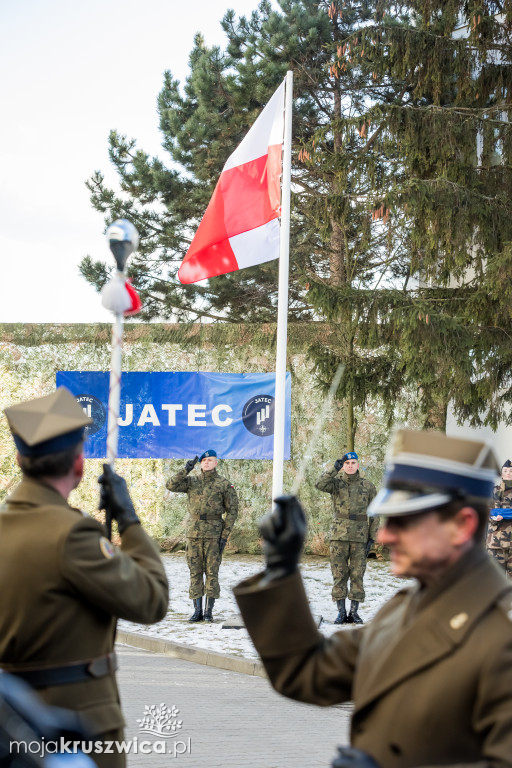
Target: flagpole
[{"x": 282, "y": 297}]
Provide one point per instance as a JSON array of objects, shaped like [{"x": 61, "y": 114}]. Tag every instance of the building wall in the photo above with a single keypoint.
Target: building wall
[{"x": 501, "y": 439}]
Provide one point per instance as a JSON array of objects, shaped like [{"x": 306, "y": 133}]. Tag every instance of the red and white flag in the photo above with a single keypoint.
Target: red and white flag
[{"x": 240, "y": 227}]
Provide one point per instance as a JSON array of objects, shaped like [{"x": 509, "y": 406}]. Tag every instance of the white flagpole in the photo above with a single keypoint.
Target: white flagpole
[{"x": 282, "y": 296}]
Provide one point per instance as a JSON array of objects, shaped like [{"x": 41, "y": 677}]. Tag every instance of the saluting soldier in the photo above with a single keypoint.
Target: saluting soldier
[
  {"x": 499, "y": 531},
  {"x": 431, "y": 675},
  {"x": 352, "y": 533},
  {"x": 64, "y": 585},
  {"x": 212, "y": 511}
]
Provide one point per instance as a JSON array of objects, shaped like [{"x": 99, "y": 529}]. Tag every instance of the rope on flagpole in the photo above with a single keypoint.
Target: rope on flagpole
[
  {"x": 120, "y": 298},
  {"x": 114, "y": 394},
  {"x": 312, "y": 441}
]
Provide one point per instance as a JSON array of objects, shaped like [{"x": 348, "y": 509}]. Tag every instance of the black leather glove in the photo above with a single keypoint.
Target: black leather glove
[
  {"x": 338, "y": 464},
  {"x": 369, "y": 545},
  {"x": 222, "y": 544},
  {"x": 349, "y": 757},
  {"x": 283, "y": 532},
  {"x": 115, "y": 499},
  {"x": 189, "y": 466}
]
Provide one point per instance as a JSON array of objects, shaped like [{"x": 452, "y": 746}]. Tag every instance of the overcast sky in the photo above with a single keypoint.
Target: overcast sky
[{"x": 71, "y": 72}]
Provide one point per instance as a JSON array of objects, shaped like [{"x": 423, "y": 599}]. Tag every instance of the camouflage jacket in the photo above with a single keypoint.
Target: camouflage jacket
[
  {"x": 499, "y": 534},
  {"x": 210, "y": 497},
  {"x": 351, "y": 495}
]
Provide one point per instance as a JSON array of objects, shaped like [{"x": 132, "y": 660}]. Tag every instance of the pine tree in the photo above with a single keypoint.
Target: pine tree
[{"x": 436, "y": 114}]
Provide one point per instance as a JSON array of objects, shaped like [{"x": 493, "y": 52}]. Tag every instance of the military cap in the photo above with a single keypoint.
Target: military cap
[
  {"x": 508, "y": 463},
  {"x": 426, "y": 470},
  {"x": 47, "y": 424},
  {"x": 209, "y": 452},
  {"x": 349, "y": 455}
]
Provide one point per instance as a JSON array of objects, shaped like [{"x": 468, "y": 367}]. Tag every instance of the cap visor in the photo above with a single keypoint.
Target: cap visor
[{"x": 399, "y": 502}]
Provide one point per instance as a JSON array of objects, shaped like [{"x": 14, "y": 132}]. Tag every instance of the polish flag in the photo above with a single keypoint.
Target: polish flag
[{"x": 240, "y": 227}]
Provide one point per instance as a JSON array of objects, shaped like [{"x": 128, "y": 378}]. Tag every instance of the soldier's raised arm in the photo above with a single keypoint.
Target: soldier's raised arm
[
  {"x": 326, "y": 481},
  {"x": 180, "y": 482}
]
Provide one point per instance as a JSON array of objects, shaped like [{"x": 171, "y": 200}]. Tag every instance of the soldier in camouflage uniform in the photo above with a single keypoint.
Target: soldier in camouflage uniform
[
  {"x": 499, "y": 531},
  {"x": 352, "y": 533},
  {"x": 210, "y": 496}
]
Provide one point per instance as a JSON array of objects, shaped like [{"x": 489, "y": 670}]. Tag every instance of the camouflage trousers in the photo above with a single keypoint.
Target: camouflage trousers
[
  {"x": 503, "y": 556},
  {"x": 348, "y": 561},
  {"x": 203, "y": 559}
]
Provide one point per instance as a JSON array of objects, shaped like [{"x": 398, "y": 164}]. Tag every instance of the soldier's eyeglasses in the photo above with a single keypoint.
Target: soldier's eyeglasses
[{"x": 404, "y": 522}]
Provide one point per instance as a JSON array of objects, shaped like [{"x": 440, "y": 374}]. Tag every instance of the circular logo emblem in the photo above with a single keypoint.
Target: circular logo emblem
[
  {"x": 96, "y": 411},
  {"x": 258, "y": 415}
]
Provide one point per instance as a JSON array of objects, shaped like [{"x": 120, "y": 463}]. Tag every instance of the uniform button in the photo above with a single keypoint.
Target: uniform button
[{"x": 396, "y": 750}]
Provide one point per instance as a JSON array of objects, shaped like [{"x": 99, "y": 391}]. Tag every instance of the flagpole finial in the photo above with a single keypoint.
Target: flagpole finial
[
  {"x": 123, "y": 239},
  {"x": 118, "y": 295}
]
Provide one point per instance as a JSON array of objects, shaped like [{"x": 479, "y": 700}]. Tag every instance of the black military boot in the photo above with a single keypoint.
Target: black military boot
[
  {"x": 353, "y": 616},
  {"x": 342, "y": 615},
  {"x": 210, "y": 602},
  {"x": 198, "y": 609}
]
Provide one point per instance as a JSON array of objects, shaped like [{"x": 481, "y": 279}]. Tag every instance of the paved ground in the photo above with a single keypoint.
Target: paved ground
[{"x": 229, "y": 720}]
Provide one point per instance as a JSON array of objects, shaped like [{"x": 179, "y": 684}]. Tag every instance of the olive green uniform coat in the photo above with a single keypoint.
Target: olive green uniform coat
[
  {"x": 212, "y": 511},
  {"x": 350, "y": 530},
  {"x": 499, "y": 532},
  {"x": 63, "y": 588},
  {"x": 430, "y": 676}
]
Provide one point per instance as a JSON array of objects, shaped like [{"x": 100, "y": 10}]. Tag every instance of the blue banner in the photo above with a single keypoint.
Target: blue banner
[{"x": 179, "y": 415}]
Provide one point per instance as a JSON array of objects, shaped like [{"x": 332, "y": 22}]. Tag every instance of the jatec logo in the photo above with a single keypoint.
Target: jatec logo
[
  {"x": 258, "y": 415},
  {"x": 95, "y": 410}
]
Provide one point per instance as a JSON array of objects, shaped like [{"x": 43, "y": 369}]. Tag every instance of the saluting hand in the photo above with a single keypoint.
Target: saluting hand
[{"x": 189, "y": 466}]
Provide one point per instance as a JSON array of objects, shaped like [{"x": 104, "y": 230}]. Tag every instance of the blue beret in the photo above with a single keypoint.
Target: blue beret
[
  {"x": 209, "y": 452},
  {"x": 350, "y": 455},
  {"x": 508, "y": 463}
]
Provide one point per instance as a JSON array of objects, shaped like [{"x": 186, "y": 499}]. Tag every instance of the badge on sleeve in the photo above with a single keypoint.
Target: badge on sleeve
[{"x": 107, "y": 548}]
